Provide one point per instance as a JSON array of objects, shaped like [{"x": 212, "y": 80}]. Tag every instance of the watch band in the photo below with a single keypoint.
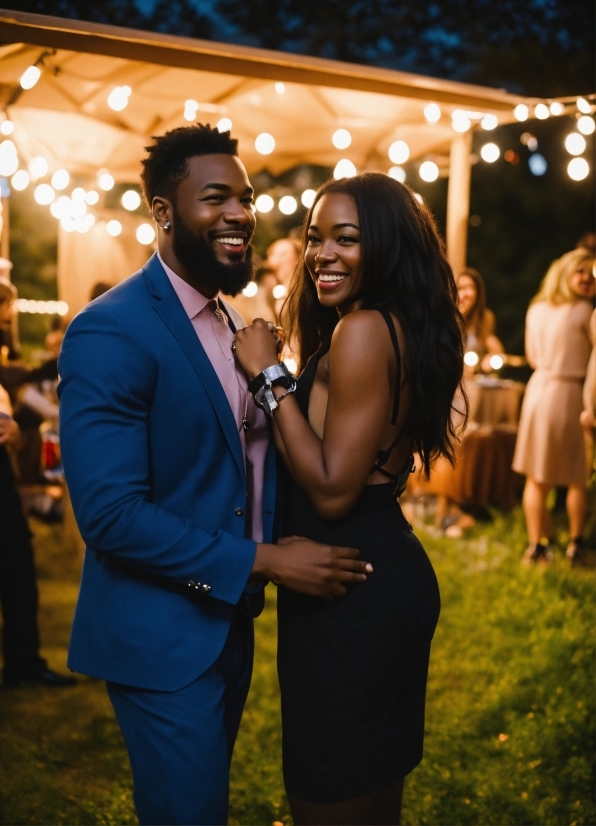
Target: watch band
[{"x": 276, "y": 374}]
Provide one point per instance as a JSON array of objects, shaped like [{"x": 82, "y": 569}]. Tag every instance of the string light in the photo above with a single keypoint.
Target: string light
[
  {"x": 25, "y": 305},
  {"x": 224, "y": 125},
  {"x": 586, "y": 125},
  {"x": 44, "y": 194},
  {"x": 131, "y": 200},
  {"x": 20, "y": 180},
  {"x": 521, "y": 112},
  {"x": 541, "y": 111},
  {"x": 250, "y": 290},
  {"x": 30, "y": 77},
  {"x": 280, "y": 88},
  {"x": 9, "y": 160},
  {"x": 308, "y": 198},
  {"x": 578, "y": 169},
  {"x": 288, "y": 205},
  {"x": 583, "y": 106},
  {"x": 190, "y": 110},
  {"x": 399, "y": 152},
  {"x": 460, "y": 122},
  {"x": 398, "y": 173},
  {"x": 490, "y": 152},
  {"x": 537, "y": 164},
  {"x": 489, "y": 122},
  {"x": 92, "y": 197},
  {"x": 114, "y": 228},
  {"x": 341, "y": 139},
  {"x": 265, "y": 143},
  {"x": 471, "y": 358},
  {"x": 264, "y": 203},
  {"x": 38, "y": 167},
  {"x": 279, "y": 291},
  {"x": 344, "y": 169},
  {"x": 432, "y": 113},
  {"x": 118, "y": 98},
  {"x": 429, "y": 171},
  {"x": 556, "y": 108},
  {"x": 575, "y": 143},
  {"x": 7, "y": 127},
  {"x": 145, "y": 234},
  {"x": 105, "y": 181},
  {"x": 60, "y": 179}
]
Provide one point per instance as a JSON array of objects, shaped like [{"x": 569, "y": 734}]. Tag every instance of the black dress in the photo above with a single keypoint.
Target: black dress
[{"x": 353, "y": 672}]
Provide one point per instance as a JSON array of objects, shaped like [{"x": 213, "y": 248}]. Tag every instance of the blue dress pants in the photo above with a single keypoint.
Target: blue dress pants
[{"x": 180, "y": 743}]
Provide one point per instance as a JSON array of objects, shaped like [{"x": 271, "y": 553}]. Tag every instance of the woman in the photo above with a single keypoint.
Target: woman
[
  {"x": 479, "y": 320},
  {"x": 374, "y": 310},
  {"x": 550, "y": 445}
]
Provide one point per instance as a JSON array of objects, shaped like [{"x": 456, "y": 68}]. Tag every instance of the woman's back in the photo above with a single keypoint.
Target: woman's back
[{"x": 557, "y": 337}]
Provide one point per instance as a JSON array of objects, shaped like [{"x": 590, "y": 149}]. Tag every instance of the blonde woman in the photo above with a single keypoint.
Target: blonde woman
[{"x": 550, "y": 445}]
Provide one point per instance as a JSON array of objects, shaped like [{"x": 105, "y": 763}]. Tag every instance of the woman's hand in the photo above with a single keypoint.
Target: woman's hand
[{"x": 256, "y": 347}]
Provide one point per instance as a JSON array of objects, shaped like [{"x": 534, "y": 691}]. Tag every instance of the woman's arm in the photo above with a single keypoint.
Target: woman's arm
[{"x": 333, "y": 470}]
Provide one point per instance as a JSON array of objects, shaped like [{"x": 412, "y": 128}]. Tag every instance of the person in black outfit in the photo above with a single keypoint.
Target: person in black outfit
[{"x": 374, "y": 311}]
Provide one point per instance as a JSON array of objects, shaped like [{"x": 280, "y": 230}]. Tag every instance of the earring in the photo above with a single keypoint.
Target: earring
[{"x": 167, "y": 225}]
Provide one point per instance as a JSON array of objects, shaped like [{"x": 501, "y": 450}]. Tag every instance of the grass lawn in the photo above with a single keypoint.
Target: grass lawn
[{"x": 510, "y": 713}]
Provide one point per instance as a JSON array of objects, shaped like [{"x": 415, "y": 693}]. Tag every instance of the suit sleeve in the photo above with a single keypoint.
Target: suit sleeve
[{"x": 106, "y": 385}]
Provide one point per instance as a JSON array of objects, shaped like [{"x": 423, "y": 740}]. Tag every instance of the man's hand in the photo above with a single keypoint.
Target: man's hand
[
  {"x": 9, "y": 432},
  {"x": 309, "y": 567}
]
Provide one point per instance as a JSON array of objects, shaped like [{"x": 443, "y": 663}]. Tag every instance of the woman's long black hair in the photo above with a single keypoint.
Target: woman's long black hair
[{"x": 406, "y": 271}]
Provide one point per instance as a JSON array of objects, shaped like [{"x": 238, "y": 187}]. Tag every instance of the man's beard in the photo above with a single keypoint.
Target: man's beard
[{"x": 202, "y": 264}]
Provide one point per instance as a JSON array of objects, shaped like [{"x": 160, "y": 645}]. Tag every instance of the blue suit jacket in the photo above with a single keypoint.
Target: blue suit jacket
[{"x": 155, "y": 470}]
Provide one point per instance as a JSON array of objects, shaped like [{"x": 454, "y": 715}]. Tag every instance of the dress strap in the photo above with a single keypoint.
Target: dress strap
[{"x": 389, "y": 321}]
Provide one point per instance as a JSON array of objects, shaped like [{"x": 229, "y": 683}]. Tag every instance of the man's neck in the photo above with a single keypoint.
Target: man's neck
[{"x": 169, "y": 258}]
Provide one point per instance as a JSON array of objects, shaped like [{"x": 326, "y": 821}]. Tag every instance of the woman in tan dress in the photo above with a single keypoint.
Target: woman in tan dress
[{"x": 550, "y": 444}]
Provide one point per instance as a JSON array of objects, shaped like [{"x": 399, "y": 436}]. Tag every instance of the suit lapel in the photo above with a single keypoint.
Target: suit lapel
[{"x": 171, "y": 312}]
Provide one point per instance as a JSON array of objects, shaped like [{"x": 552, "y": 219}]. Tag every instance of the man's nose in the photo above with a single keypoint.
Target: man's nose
[{"x": 238, "y": 213}]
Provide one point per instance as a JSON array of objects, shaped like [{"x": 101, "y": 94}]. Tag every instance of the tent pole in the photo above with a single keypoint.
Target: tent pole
[
  {"x": 5, "y": 237},
  {"x": 458, "y": 200}
]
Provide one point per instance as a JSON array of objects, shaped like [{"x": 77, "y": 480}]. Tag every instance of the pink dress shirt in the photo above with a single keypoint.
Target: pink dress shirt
[{"x": 216, "y": 338}]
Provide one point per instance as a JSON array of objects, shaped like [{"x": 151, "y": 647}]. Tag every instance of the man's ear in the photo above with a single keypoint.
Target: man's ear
[{"x": 162, "y": 210}]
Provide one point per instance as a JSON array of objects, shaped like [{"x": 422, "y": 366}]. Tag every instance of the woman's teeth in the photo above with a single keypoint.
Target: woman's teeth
[{"x": 332, "y": 277}]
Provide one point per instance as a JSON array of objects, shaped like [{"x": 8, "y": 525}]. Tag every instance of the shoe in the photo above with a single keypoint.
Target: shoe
[
  {"x": 538, "y": 554},
  {"x": 576, "y": 552},
  {"x": 46, "y": 677}
]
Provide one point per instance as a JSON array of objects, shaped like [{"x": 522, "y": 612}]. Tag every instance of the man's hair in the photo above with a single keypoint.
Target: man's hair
[{"x": 166, "y": 164}]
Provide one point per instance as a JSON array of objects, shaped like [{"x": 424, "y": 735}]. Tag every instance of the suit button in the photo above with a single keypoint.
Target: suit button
[
  {"x": 206, "y": 588},
  {"x": 239, "y": 512},
  {"x": 191, "y": 583}
]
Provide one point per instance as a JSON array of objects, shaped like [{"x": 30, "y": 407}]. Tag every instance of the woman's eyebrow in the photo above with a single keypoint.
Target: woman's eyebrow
[{"x": 339, "y": 226}]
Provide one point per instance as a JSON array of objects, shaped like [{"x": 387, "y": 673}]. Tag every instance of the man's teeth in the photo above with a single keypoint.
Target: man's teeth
[
  {"x": 331, "y": 277},
  {"x": 236, "y": 242}
]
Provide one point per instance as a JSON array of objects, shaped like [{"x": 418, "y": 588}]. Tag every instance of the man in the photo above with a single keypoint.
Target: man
[{"x": 171, "y": 474}]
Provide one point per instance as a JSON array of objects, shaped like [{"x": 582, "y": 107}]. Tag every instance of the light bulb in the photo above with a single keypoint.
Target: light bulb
[
  {"x": 308, "y": 198},
  {"x": 399, "y": 152},
  {"x": 341, "y": 139},
  {"x": 7, "y": 127},
  {"x": 44, "y": 194},
  {"x": 578, "y": 169},
  {"x": 264, "y": 203},
  {"x": 432, "y": 112},
  {"x": 60, "y": 179},
  {"x": 496, "y": 362},
  {"x": 30, "y": 77},
  {"x": 92, "y": 197},
  {"x": 556, "y": 108},
  {"x": 344, "y": 169},
  {"x": 250, "y": 290},
  {"x": 224, "y": 125},
  {"x": 20, "y": 180},
  {"x": 105, "y": 181},
  {"x": 114, "y": 228},
  {"x": 575, "y": 143},
  {"x": 279, "y": 291},
  {"x": 521, "y": 112},
  {"x": 585, "y": 124},
  {"x": 428, "y": 171},
  {"x": 541, "y": 111},
  {"x": 583, "y": 106},
  {"x": 118, "y": 98},
  {"x": 265, "y": 143},
  {"x": 288, "y": 205},
  {"x": 131, "y": 200},
  {"x": 471, "y": 358},
  {"x": 38, "y": 167},
  {"x": 490, "y": 152},
  {"x": 398, "y": 173},
  {"x": 280, "y": 88},
  {"x": 145, "y": 234},
  {"x": 489, "y": 122}
]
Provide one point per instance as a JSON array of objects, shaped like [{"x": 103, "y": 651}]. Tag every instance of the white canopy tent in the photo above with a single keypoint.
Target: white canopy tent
[{"x": 300, "y": 101}]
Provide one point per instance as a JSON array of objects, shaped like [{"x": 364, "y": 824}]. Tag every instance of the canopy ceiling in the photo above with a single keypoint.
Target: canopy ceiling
[{"x": 66, "y": 116}]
